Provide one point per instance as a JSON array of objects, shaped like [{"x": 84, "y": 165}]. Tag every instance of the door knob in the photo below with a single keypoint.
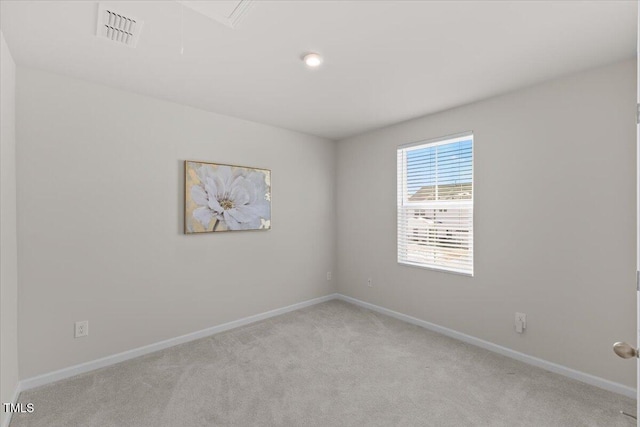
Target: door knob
[{"x": 624, "y": 350}]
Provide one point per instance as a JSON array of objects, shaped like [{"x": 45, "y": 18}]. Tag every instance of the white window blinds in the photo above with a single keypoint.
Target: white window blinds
[{"x": 435, "y": 204}]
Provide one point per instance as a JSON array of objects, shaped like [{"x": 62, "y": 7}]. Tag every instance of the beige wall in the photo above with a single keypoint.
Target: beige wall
[
  {"x": 554, "y": 221},
  {"x": 100, "y": 233},
  {"x": 8, "y": 248}
]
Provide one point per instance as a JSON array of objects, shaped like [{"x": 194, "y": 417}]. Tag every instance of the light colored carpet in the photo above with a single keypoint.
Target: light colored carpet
[{"x": 333, "y": 364}]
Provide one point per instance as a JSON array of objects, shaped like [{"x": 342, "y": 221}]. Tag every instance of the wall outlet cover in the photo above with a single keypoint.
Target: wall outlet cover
[
  {"x": 81, "y": 328},
  {"x": 520, "y": 322}
]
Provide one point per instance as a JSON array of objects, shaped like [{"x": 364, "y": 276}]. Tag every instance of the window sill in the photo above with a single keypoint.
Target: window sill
[{"x": 440, "y": 269}]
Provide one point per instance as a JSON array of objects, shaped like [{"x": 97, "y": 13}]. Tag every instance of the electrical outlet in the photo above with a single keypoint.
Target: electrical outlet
[
  {"x": 520, "y": 322},
  {"x": 369, "y": 282},
  {"x": 328, "y": 275},
  {"x": 82, "y": 329}
]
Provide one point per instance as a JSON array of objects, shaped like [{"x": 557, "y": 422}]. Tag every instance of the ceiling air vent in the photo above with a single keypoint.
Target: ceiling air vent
[{"x": 120, "y": 28}]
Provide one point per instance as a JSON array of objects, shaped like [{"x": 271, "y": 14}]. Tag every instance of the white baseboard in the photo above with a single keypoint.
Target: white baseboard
[
  {"x": 71, "y": 371},
  {"x": 540, "y": 363},
  {"x": 14, "y": 400},
  {"x": 130, "y": 354}
]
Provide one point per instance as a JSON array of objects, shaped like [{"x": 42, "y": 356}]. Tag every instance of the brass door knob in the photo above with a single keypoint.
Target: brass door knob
[{"x": 624, "y": 350}]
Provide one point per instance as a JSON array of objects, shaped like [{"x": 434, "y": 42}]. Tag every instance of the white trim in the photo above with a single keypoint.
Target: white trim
[
  {"x": 71, "y": 371},
  {"x": 14, "y": 400},
  {"x": 540, "y": 363},
  {"x": 435, "y": 268}
]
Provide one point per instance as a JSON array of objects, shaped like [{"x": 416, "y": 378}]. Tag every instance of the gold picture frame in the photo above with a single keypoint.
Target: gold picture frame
[{"x": 219, "y": 197}]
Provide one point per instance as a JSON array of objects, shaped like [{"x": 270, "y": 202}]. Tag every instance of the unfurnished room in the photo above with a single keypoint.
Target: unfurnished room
[{"x": 319, "y": 213}]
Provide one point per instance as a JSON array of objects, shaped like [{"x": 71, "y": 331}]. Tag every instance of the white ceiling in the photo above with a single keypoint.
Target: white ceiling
[{"x": 384, "y": 61}]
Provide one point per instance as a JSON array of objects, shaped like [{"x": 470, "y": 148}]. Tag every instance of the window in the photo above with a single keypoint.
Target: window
[{"x": 435, "y": 204}]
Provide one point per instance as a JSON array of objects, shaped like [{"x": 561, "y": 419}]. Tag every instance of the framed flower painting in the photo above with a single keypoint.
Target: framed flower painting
[{"x": 221, "y": 197}]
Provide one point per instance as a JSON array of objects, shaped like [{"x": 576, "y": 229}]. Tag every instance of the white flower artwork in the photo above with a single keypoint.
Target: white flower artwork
[{"x": 226, "y": 198}]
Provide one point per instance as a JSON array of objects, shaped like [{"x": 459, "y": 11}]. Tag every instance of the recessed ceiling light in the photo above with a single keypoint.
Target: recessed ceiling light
[{"x": 312, "y": 60}]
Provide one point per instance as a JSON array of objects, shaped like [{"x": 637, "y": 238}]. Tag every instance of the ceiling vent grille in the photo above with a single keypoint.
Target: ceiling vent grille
[{"x": 120, "y": 28}]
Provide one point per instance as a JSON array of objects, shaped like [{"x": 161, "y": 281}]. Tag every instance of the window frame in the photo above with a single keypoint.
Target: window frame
[{"x": 436, "y": 204}]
